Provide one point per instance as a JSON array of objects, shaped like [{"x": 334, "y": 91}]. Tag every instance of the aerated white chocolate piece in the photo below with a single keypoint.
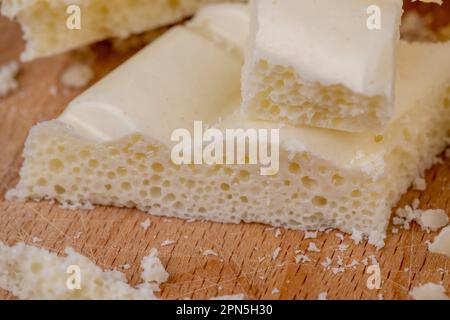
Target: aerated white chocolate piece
[
  {"x": 112, "y": 145},
  {"x": 322, "y": 63}
]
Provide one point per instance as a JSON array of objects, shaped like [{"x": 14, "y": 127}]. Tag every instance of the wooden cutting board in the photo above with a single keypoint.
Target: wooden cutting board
[{"x": 113, "y": 237}]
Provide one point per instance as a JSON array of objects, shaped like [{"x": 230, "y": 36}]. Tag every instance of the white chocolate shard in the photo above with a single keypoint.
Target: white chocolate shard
[
  {"x": 112, "y": 145},
  {"x": 429, "y": 291},
  {"x": 433, "y": 219},
  {"x": 239, "y": 296},
  {"x": 322, "y": 296},
  {"x": 317, "y": 63},
  {"x": 113, "y": 108},
  {"x": 153, "y": 270},
  {"x": 225, "y": 24}
]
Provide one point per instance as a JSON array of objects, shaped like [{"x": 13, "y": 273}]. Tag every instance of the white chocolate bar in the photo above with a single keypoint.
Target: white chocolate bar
[
  {"x": 112, "y": 146},
  {"x": 44, "y": 22},
  {"x": 322, "y": 63}
]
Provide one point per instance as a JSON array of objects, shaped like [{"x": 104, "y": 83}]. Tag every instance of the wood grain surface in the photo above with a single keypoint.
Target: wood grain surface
[{"x": 113, "y": 237}]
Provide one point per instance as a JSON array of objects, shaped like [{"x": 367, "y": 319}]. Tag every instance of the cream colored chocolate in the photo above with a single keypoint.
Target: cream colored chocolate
[
  {"x": 44, "y": 21},
  {"x": 429, "y": 291},
  {"x": 441, "y": 243},
  {"x": 97, "y": 114},
  {"x": 34, "y": 273},
  {"x": 112, "y": 145},
  {"x": 227, "y": 25},
  {"x": 430, "y": 1},
  {"x": 322, "y": 63}
]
